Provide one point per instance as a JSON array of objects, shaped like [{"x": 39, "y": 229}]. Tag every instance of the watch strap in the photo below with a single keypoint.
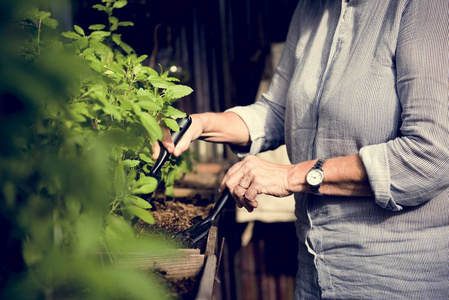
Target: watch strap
[{"x": 317, "y": 166}]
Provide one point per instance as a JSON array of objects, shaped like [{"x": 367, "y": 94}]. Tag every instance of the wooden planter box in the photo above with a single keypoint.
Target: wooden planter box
[
  {"x": 194, "y": 268},
  {"x": 181, "y": 265}
]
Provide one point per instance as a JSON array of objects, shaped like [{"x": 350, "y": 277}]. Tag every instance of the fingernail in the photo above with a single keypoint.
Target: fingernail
[{"x": 177, "y": 152}]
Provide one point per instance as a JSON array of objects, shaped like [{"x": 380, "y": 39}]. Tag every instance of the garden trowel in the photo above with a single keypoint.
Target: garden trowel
[
  {"x": 184, "y": 124},
  {"x": 196, "y": 232}
]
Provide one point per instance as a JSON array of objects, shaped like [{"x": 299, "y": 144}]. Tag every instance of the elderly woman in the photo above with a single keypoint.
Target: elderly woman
[{"x": 360, "y": 98}]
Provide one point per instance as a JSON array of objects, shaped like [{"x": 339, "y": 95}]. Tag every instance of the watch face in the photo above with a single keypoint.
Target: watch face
[{"x": 315, "y": 177}]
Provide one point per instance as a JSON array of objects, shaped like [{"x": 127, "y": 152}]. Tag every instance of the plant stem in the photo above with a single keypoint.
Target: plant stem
[{"x": 39, "y": 38}]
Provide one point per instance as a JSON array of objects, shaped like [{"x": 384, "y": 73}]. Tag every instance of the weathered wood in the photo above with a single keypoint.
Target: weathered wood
[
  {"x": 177, "y": 264},
  {"x": 206, "y": 288},
  {"x": 207, "y": 281},
  {"x": 211, "y": 246}
]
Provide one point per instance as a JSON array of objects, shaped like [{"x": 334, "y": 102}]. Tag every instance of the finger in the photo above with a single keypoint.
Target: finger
[
  {"x": 183, "y": 144},
  {"x": 247, "y": 179},
  {"x": 240, "y": 198},
  {"x": 252, "y": 203},
  {"x": 237, "y": 200},
  {"x": 194, "y": 132},
  {"x": 229, "y": 179},
  {"x": 167, "y": 140},
  {"x": 156, "y": 150},
  {"x": 251, "y": 194}
]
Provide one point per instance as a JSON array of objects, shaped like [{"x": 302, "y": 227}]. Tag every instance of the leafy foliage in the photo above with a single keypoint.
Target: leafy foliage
[{"x": 78, "y": 116}]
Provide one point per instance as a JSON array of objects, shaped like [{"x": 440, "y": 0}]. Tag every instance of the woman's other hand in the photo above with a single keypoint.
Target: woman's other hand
[{"x": 252, "y": 176}]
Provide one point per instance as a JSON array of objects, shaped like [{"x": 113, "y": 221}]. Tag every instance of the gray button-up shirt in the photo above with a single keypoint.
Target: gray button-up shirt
[{"x": 367, "y": 77}]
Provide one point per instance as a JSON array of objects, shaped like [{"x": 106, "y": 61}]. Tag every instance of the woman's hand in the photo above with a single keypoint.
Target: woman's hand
[
  {"x": 225, "y": 127},
  {"x": 194, "y": 132},
  {"x": 253, "y": 176}
]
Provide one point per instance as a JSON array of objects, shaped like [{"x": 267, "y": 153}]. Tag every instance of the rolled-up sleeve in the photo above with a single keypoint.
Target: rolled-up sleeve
[
  {"x": 414, "y": 167},
  {"x": 265, "y": 122}
]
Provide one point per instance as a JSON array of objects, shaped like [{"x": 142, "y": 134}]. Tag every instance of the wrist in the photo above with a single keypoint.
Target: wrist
[{"x": 297, "y": 177}]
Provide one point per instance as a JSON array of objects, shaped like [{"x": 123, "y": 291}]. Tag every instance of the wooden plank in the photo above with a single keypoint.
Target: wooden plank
[
  {"x": 212, "y": 238},
  {"x": 206, "y": 288},
  {"x": 177, "y": 264}
]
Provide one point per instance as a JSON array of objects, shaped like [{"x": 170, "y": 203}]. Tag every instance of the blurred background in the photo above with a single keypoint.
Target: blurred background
[
  {"x": 226, "y": 50},
  {"x": 220, "y": 48}
]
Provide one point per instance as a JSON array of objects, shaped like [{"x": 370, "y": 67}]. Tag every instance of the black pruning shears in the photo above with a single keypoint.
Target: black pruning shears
[{"x": 184, "y": 124}]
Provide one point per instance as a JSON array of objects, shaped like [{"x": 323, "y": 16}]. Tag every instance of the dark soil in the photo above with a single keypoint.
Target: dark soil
[{"x": 173, "y": 216}]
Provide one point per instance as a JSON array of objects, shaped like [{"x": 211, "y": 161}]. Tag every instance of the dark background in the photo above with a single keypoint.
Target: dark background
[
  {"x": 219, "y": 45},
  {"x": 219, "y": 48}
]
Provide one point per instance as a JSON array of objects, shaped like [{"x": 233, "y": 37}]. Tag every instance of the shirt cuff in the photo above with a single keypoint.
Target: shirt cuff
[
  {"x": 256, "y": 129},
  {"x": 374, "y": 157}
]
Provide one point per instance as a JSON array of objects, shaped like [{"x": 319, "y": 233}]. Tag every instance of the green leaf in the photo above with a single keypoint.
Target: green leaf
[
  {"x": 130, "y": 163},
  {"x": 126, "y": 23},
  {"x": 100, "y": 49},
  {"x": 144, "y": 189},
  {"x": 119, "y": 179},
  {"x": 99, "y": 7},
  {"x": 43, "y": 15},
  {"x": 145, "y": 158},
  {"x": 136, "y": 108},
  {"x": 144, "y": 185},
  {"x": 99, "y": 35},
  {"x": 169, "y": 191},
  {"x": 127, "y": 48},
  {"x": 113, "y": 21},
  {"x": 132, "y": 174},
  {"x": 172, "y": 79},
  {"x": 97, "y": 27},
  {"x": 120, "y": 227},
  {"x": 170, "y": 179},
  {"x": 170, "y": 123},
  {"x": 141, "y": 58},
  {"x": 79, "y": 30},
  {"x": 151, "y": 126},
  {"x": 159, "y": 82},
  {"x": 137, "y": 68},
  {"x": 170, "y": 111},
  {"x": 148, "y": 105},
  {"x": 139, "y": 202},
  {"x": 117, "y": 69},
  {"x": 120, "y": 4},
  {"x": 112, "y": 110},
  {"x": 71, "y": 35},
  {"x": 117, "y": 38},
  {"x": 178, "y": 91},
  {"x": 141, "y": 213},
  {"x": 82, "y": 42},
  {"x": 51, "y": 23},
  {"x": 150, "y": 71}
]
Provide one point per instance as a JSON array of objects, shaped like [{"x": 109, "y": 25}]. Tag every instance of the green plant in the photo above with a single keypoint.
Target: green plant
[{"x": 78, "y": 118}]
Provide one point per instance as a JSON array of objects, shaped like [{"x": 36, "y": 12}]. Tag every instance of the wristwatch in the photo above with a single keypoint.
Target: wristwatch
[{"x": 315, "y": 177}]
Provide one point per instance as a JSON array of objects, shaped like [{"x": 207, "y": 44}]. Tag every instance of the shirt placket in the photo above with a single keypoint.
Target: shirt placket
[
  {"x": 342, "y": 25},
  {"x": 314, "y": 240}
]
